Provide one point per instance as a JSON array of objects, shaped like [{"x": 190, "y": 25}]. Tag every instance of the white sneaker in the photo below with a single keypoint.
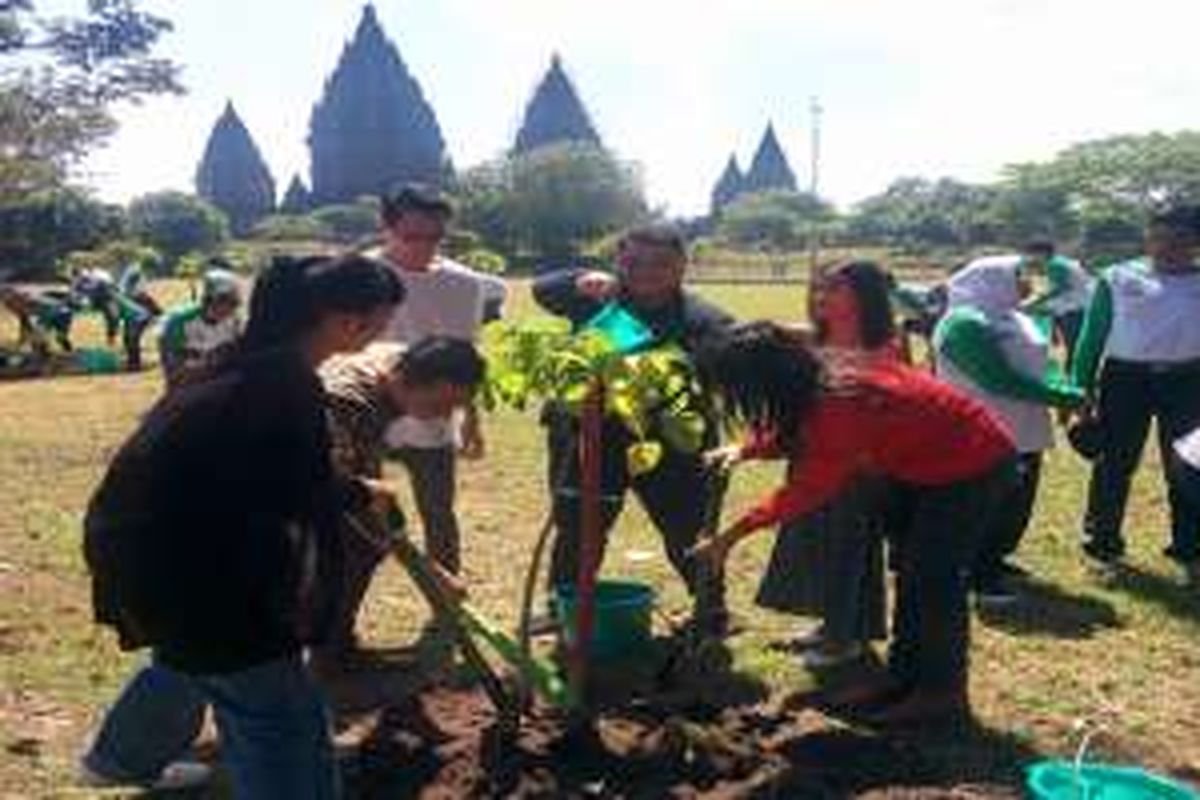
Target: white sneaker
[
  {"x": 809, "y": 638},
  {"x": 177, "y": 776}
]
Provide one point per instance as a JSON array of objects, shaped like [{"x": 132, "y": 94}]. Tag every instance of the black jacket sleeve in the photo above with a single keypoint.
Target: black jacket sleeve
[
  {"x": 555, "y": 292},
  {"x": 704, "y": 322}
]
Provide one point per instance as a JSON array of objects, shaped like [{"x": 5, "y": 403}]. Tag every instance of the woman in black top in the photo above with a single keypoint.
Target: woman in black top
[{"x": 213, "y": 540}]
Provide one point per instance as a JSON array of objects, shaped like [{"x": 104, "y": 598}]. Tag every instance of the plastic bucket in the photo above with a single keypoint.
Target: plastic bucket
[
  {"x": 623, "y": 331},
  {"x": 1059, "y": 780},
  {"x": 97, "y": 360},
  {"x": 621, "y": 628}
]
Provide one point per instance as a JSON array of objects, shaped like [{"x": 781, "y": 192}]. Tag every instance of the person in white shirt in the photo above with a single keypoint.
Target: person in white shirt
[
  {"x": 1139, "y": 357},
  {"x": 442, "y": 298}
]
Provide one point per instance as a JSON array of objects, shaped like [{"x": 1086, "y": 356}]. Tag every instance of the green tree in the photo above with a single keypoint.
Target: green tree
[
  {"x": 561, "y": 196},
  {"x": 40, "y": 228},
  {"x": 59, "y": 79},
  {"x": 175, "y": 224},
  {"x": 349, "y": 222},
  {"x": 775, "y": 220}
]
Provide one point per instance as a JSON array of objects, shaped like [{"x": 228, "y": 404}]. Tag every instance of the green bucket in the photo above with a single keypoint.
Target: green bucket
[
  {"x": 1061, "y": 780},
  {"x": 624, "y": 332},
  {"x": 97, "y": 361},
  {"x": 621, "y": 628}
]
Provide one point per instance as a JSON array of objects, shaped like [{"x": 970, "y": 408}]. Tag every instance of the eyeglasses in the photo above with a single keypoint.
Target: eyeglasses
[{"x": 423, "y": 238}]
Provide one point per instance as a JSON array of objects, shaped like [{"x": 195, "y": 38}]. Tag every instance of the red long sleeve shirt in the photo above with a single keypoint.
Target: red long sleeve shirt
[{"x": 894, "y": 421}]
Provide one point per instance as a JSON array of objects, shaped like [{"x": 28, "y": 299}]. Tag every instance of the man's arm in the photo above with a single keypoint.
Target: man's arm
[
  {"x": 1093, "y": 338},
  {"x": 559, "y": 293}
]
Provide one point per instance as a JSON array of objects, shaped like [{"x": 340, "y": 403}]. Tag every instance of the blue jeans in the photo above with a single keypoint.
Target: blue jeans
[{"x": 272, "y": 721}]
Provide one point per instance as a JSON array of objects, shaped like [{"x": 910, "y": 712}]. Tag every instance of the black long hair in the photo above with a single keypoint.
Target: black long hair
[
  {"x": 871, "y": 285},
  {"x": 766, "y": 378},
  {"x": 292, "y": 295}
]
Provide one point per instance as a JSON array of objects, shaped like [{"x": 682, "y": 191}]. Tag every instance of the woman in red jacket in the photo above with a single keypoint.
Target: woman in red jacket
[{"x": 835, "y": 422}]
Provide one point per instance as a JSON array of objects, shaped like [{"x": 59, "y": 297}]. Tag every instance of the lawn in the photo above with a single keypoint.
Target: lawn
[{"x": 1126, "y": 653}]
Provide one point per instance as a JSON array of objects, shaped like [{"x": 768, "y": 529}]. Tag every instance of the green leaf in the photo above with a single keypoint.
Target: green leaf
[{"x": 643, "y": 457}]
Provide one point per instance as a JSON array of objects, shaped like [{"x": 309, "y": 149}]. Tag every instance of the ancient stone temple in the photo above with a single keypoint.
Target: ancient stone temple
[
  {"x": 296, "y": 200},
  {"x": 555, "y": 114},
  {"x": 373, "y": 128},
  {"x": 769, "y": 170},
  {"x": 232, "y": 174},
  {"x": 728, "y": 186}
]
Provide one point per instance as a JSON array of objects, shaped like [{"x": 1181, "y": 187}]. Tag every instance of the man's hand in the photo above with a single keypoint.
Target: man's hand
[
  {"x": 714, "y": 549},
  {"x": 472, "y": 447},
  {"x": 597, "y": 285},
  {"x": 451, "y": 586},
  {"x": 724, "y": 458}
]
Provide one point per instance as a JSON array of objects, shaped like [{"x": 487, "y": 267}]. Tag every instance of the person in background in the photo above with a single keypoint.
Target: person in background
[
  {"x": 445, "y": 298},
  {"x": 836, "y": 422},
  {"x": 365, "y": 393},
  {"x": 648, "y": 283},
  {"x": 40, "y": 318},
  {"x": 987, "y": 347},
  {"x": 1139, "y": 357},
  {"x": 196, "y": 333},
  {"x": 132, "y": 284},
  {"x": 213, "y": 539},
  {"x": 1067, "y": 294},
  {"x": 94, "y": 289},
  {"x": 919, "y": 309},
  {"x": 830, "y": 564}
]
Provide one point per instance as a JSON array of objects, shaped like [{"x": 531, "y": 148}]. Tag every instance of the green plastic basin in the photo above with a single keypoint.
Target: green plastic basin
[
  {"x": 1058, "y": 780},
  {"x": 621, "y": 628}
]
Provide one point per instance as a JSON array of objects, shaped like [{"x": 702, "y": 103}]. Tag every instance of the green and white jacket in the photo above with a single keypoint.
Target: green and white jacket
[{"x": 986, "y": 346}]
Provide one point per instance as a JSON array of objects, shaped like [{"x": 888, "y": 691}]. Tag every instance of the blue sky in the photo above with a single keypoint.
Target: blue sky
[{"x": 927, "y": 87}]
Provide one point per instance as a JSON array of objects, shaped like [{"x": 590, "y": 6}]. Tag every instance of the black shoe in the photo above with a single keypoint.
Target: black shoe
[
  {"x": 994, "y": 592},
  {"x": 1012, "y": 571}
]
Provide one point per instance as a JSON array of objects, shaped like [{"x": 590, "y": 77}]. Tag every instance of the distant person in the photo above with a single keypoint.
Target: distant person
[
  {"x": 214, "y": 540},
  {"x": 41, "y": 319},
  {"x": 1067, "y": 294},
  {"x": 648, "y": 283},
  {"x": 132, "y": 284},
  {"x": 830, "y": 564},
  {"x": 1139, "y": 357},
  {"x": 837, "y": 421},
  {"x": 95, "y": 290},
  {"x": 196, "y": 333},
  {"x": 365, "y": 392},
  {"x": 990, "y": 349},
  {"x": 444, "y": 298}
]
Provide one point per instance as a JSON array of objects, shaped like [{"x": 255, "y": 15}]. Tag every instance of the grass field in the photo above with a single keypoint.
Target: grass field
[{"x": 1128, "y": 653}]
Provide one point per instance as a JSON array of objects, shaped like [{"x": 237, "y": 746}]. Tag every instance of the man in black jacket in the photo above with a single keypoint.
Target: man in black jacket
[{"x": 648, "y": 283}]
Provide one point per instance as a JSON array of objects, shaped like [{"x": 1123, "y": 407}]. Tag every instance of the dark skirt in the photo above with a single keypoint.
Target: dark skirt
[{"x": 830, "y": 565}]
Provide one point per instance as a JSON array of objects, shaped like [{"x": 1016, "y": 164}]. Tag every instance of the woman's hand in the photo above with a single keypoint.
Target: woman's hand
[{"x": 384, "y": 500}]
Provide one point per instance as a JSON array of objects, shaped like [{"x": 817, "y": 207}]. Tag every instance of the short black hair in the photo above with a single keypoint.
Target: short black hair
[
  {"x": 1039, "y": 247},
  {"x": 1179, "y": 219},
  {"x": 415, "y": 198},
  {"x": 659, "y": 234},
  {"x": 442, "y": 359}
]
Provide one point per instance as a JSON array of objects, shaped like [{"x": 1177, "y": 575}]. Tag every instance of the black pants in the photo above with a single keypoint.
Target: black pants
[
  {"x": 930, "y": 621},
  {"x": 1009, "y": 518},
  {"x": 1131, "y": 395},
  {"x": 676, "y": 495},
  {"x": 433, "y": 475}
]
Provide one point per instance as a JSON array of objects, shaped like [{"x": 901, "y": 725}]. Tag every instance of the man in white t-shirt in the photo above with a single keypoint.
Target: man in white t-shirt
[{"x": 442, "y": 298}]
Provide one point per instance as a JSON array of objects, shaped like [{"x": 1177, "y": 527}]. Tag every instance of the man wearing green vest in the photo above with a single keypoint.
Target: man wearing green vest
[{"x": 1139, "y": 357}]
